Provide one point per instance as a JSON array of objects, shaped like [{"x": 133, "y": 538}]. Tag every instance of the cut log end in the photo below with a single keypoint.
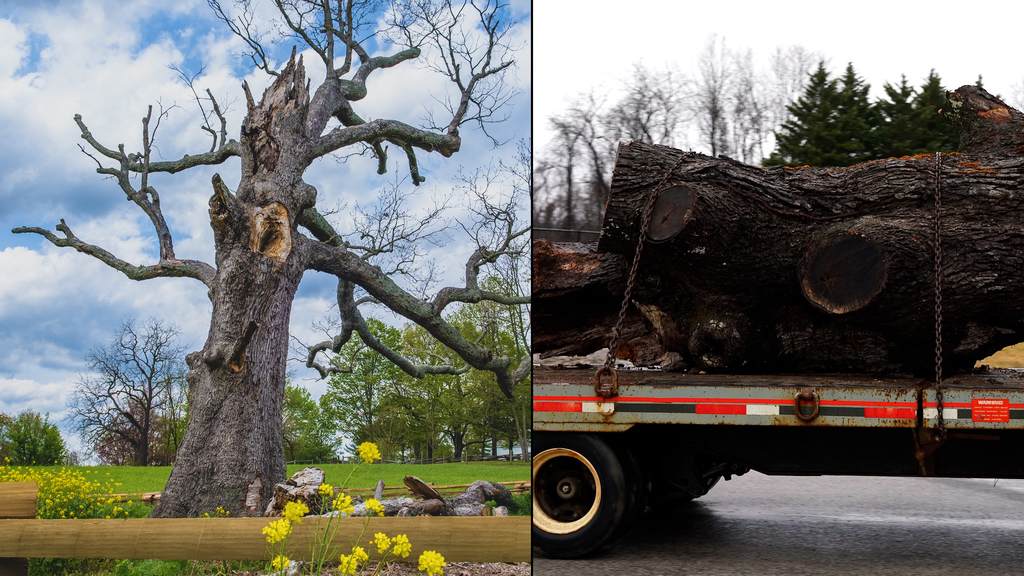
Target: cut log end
[
  {"x": 672, "y": 210},
  {"x": 843, "y": 272}
]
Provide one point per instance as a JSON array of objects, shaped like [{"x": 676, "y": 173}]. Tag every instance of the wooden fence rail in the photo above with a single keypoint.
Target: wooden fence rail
[
  {"x": 516, "y": 487},
  {"x": 458, "y": 539}
]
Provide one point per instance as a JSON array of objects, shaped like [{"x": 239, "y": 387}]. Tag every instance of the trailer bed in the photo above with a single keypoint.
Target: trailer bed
[{"x": 565, "y": 400}]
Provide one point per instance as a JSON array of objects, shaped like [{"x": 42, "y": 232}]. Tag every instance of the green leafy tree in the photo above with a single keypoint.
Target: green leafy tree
[
  {"x": 506, "y": 331},
  {"x": 355, "y": 397},
  {"x": 5, "y": 422},
  {"x": 30, "y": 438},
  {"x": 309, "y": 434}
]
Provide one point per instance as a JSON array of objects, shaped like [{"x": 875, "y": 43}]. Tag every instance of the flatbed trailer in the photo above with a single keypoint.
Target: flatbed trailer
[{"x": 599, "y": 461}]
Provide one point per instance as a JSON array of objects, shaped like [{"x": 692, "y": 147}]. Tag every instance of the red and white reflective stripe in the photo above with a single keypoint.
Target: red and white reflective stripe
[
  {"x": 947, "y": 413},
  {"x": 741, "y": 409},
  {"x": 734, "y": 406},
  {"x": 701, "y": 408},
  {"x": 560, "y": 406}
]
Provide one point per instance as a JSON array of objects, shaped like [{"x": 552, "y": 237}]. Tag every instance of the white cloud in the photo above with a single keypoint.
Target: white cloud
[{"x": 12, "y": 47}]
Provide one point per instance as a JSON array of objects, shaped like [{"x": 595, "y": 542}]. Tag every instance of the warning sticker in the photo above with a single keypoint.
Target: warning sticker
[{"x": 990, "y": 410}]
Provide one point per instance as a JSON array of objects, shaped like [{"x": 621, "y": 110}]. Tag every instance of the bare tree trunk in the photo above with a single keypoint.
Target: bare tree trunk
[{"x": 233, "y": 448}]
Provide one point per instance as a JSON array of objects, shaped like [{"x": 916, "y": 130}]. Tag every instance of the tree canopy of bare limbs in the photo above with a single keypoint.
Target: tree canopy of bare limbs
[
  {"x": 727, "y": 106},
  {"x": 269, "y": 230},
  {"x": 135, "y": 387}
]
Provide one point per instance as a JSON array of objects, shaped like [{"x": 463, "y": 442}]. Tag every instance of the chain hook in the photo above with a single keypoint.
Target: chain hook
[{"x": 602, "y": 390}]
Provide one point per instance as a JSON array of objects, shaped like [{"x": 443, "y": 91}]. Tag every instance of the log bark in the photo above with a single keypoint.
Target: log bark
[{"x": 748, "y": 269}]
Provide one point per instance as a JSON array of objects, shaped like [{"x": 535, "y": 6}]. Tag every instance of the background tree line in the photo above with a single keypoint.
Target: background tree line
[
  {"x": 132, "y": 406},
  {"x": 791, "y": 111},
  {"x": 438, "y": 416}
]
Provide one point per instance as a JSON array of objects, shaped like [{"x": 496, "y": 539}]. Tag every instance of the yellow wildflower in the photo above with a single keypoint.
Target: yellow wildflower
[
  {"x": 325, "y": 490},
  {"x": 432, "y": 563},
  {"x": 294, "y": 511},
  {"x": 343, "y": 504},
  {"x": 402, "y": 546},
  {"x": 280, "y": 562},
  {"x": 374, "y": 505},
  {"x": 368, "y": 452},
  {"x": 348, "y": 564},
  {"x": 277, "y": 530},
  {"x": 382, "y": 542}
]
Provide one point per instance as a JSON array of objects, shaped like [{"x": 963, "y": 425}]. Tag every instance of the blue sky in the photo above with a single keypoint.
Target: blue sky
[{"x": 108, "y": 63}]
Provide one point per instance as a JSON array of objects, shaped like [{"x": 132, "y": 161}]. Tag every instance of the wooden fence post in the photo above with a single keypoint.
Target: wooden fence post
[{"x": 17, "y": 500}]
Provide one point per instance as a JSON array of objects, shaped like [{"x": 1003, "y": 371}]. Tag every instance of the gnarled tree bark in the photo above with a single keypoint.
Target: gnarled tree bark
[{"x": 805, "y": 269}]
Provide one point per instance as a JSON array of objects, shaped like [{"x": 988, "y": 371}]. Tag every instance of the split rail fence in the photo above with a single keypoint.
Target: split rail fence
[
  {"x": 515, "y": 487},
  {"x": 22, "y": 536}
]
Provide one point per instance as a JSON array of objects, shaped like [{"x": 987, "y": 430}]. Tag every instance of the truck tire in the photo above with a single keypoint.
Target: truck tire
[
  {"x": 579, "y": 494},
  {"x": 638, "y": 489}
]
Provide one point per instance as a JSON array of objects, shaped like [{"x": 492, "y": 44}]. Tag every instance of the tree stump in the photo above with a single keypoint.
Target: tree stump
[{"x": 749, "y": 269}]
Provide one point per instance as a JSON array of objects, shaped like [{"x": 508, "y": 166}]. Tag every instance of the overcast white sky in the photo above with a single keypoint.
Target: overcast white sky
[
  {"x": 582, "y": 44},
  {"x": 107, "y": 60}
]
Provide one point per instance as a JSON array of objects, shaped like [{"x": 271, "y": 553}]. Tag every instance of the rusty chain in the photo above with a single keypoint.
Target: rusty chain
[
  {"x": 938, "y": 291},
  {"x": 613, "y": 346}
]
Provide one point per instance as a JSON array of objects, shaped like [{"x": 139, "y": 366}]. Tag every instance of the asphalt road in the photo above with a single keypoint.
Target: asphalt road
[{"x": 765, "y": 525}]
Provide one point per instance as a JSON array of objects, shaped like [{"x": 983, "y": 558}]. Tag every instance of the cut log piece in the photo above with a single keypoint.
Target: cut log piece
[{"x": 747, "y": 269}]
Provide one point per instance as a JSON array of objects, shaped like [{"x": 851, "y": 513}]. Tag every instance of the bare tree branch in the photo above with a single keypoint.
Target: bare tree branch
[
  {"x": 352, "y": 321},
  {"x": 165, "y": 269},
  {"x": 245, "y": 28}
]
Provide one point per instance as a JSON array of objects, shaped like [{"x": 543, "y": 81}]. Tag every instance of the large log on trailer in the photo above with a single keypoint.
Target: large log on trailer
[{"x": 749, "y": 269}]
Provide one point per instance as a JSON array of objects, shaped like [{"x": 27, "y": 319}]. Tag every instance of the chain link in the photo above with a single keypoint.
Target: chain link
[
  {"x": 938, "y": 290},
  {"x": 645, "y": 221}
]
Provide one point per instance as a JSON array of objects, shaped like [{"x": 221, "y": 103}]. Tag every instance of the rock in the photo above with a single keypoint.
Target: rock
[{"x": 303, "y": 487}]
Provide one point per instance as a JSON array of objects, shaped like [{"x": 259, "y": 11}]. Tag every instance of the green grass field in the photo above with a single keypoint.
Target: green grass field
[{"x": 137, "y": 479}]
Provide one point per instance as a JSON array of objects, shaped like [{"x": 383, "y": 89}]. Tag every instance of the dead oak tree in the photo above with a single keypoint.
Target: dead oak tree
[
  {"x": 805, "y": 269},
  {"x": 268, "y": 231}
]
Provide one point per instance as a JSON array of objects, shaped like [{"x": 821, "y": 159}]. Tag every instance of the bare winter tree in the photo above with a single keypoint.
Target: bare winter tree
[
  {"x": 134, "y": 380},
  {"x": 715, "y": 75},
  {"x": 749, "y": 110},
  {"x": 268, "y": 231},
  {"x": 574, "y": 175},
  {"x": 653, "y": 110},
  {"x": 788, "y": 71}
]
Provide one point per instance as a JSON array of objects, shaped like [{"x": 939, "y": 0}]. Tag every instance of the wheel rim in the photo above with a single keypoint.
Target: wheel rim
[{"x": 567, "y": 491}]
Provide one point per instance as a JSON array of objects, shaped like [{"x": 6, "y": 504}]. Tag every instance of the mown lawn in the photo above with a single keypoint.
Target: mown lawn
[{"x": 137, "y": 479}]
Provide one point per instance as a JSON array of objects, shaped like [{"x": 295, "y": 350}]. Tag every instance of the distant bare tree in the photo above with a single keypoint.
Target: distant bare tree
[
  {"x": 574, "y": 175},
  {"x": 788, "y": 71},
  {"x": 751, "y": 124},
  {"x": 712, "y": 88},
  {"x": 134, "y": 378},
  {"x": 653, "y": 109}
]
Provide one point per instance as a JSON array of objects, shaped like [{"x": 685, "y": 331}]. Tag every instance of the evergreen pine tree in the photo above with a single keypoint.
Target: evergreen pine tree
[
  {"x": 807, "y": 136},
  {"x": 932, "y": 133},
  {"x": 856, "y": 122},
  {"x": 898, "y": 132}
]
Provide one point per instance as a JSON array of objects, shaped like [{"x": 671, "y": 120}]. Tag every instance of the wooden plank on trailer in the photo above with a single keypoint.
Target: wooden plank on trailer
[{"x": 458, "y": 539}]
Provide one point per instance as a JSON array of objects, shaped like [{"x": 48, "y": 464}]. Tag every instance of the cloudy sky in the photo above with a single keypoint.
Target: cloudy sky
[
  {"x": 581, "y": 44},
  {"x": 108, "y": 61}
]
